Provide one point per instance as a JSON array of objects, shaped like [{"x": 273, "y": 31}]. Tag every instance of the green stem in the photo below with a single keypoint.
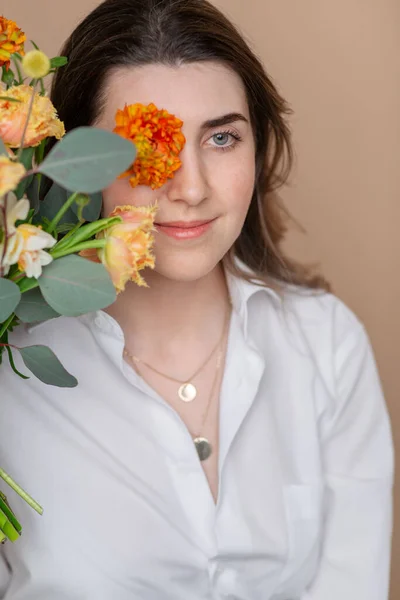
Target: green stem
[
  {"x": 61, "y": 213},
  {"x": 15, "y": 60},
  {"x": 39, "y": 160},
  {"x": 63, "y": 243},
  {"x": 6, "y": 324},
  {"x": 26, "y": 284},
  {"x": 78, "y": 248},
  {"x": 27, "y": 121},
  {"x": 21, "y": 492},
  {"x": 86, "y": 232}
]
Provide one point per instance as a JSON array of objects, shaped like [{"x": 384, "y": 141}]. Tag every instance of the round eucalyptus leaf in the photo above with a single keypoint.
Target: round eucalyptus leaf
[
  {"x": 44, "y": 364},
  {"x": 34, "y": 308},
  {"x": 9, "y": 298},
  {"x": 88, "y": 159},
  {"x": 73, "y": 286}
]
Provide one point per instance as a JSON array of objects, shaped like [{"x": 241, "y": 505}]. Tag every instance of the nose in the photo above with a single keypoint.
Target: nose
[{"x": 190, "y": 183}]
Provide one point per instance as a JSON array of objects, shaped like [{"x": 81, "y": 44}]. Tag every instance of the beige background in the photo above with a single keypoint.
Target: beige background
[{"x": 338, "y": 64}]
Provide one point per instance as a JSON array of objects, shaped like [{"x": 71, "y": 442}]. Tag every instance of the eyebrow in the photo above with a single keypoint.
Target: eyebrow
[{"x": 224, "y": 120}]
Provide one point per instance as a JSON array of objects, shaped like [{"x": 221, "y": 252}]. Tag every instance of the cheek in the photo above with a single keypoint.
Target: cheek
[
  {"x": 120, "y": 193},
  {"x": 237, "y": 189}
]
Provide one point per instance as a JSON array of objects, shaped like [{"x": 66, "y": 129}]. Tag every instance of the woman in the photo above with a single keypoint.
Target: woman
[{"x": 269, "y": 477}]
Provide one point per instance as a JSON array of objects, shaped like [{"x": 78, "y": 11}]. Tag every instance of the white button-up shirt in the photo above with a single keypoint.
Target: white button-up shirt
[{"x": 305, "y": 469}]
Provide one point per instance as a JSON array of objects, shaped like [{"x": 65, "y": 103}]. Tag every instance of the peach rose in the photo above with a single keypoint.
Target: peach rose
[
  {"x": 128, "y": 245},
  {"x": 43, "y": 122}
]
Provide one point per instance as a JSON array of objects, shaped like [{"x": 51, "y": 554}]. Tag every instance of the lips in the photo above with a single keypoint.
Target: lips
[
  {"x": 184, "y": 230},
  {"x": 184, "y": 224}
]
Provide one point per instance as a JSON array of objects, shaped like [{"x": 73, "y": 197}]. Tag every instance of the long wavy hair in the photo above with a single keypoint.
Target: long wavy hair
[{"x": 121, "y": 33}]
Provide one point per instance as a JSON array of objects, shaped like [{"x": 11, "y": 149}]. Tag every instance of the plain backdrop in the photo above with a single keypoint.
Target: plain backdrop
[{"x": 338, "y": 65}]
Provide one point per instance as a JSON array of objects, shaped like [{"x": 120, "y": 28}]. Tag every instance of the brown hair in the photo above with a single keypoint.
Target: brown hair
[{"x": 139, "y": 32}]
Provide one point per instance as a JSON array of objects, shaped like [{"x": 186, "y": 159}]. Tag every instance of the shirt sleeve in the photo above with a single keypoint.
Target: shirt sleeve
[{"x": 358, "y": 464}]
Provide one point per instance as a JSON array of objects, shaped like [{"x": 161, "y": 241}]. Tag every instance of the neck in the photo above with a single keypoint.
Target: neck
[{"x": 171, "y": 315}]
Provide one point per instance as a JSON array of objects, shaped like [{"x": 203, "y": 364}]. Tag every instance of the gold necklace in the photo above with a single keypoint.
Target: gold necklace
[
  {"x": 203, "y": 446},
  {"x": 187, "y": 391}
]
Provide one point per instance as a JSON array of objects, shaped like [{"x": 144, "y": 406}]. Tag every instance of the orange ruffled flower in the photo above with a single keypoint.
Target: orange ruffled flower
[
  {"x": 158, "y": 139},
  {"x": 128, "y": 245},
  {"x": 11, "y": 41},
  {"x": 43, "y": 122}
]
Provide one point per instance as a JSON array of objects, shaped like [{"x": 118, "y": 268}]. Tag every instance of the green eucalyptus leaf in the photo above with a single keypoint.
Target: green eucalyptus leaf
[
  {"x": 55, "y": 198},
  {"x": 44, "y": 364},
  {"x": 58, "y": 61},
  {"x": 33, "y": 308},
  {"x": 9, "y": 298},
  {"x": 88, "y": 159},
  {"x": 73, "y": 286},
  {"x": 32, "y": 193}
]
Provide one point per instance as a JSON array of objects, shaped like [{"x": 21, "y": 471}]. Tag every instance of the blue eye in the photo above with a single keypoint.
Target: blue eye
[
  {"x": 225, "y": 140},
  {"x": 221, "y": 139}
]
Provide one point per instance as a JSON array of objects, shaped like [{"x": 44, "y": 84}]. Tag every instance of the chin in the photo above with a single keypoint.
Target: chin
[{"x": 185, "y": 269}]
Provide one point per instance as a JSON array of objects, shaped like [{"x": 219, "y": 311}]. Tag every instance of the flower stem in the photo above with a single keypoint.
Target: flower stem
[
  {"x": 61, "y": 213},
  {"x": 75, "y": 249},
  {"x": 84, "y": 233},
  {"x": 6, "y": 324},
  {"x": 21, "y": 147},
  {"x": 26, "y": 284},
  {"x": 15, "y": 60},
  {"x": 21, "y": 492},
  {"x": 3, "y": 209}
]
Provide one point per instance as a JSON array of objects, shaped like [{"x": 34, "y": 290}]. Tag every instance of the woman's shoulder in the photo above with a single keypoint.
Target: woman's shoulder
[{"x": 320, "y": 310}]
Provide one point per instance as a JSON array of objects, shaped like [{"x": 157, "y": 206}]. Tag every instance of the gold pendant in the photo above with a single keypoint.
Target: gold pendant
[
  {"x": 187, "y": 392},
  {"x": 203, "y": 447}
]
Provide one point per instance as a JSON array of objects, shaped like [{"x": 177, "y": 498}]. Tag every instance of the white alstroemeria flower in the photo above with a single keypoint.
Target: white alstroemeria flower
[
  {"x": 17, "y": 210},
  {"x": 27, "y": 248}
]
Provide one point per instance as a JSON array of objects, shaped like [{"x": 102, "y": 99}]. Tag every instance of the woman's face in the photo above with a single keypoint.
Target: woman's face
[{"x": 216, "y": 180}]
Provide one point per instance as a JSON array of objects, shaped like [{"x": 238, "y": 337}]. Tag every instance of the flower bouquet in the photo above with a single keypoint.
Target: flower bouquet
[{"x": 57, "y": 255}]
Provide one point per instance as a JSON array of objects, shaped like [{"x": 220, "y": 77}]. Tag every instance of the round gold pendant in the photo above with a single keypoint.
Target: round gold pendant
[
  {"x": 187, "y": 392},
  {"x": 203, "y": 447}
]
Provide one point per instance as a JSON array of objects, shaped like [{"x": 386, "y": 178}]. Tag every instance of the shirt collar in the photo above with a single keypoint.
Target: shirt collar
[{"x": 241, "y": 291}]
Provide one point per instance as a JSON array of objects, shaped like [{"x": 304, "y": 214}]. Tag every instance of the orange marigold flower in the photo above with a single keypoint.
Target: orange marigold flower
[
  {"x": 158, "y": 139},
  {"x": 11, "y": 41},
  {"x": 128, "y": 245}
]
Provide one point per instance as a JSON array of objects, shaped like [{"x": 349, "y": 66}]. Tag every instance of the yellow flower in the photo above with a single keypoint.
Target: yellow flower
[
  {"x": 36, "y": 64},
  {"x": 43, "y": 122},
  {"x": 10, "y": 174},
  {"x": 158, "y": 139},
  {"x": 128, "y": 245},
  {"x": 26, "y": 247},
  {"x": 11, "y": 41}
]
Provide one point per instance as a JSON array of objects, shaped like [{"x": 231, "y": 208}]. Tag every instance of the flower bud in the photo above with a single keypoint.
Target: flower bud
[{"x": 36, "y": 64}]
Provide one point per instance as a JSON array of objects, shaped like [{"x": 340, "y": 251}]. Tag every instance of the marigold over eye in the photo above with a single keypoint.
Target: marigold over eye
[{"x": 158, "y": 139}]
